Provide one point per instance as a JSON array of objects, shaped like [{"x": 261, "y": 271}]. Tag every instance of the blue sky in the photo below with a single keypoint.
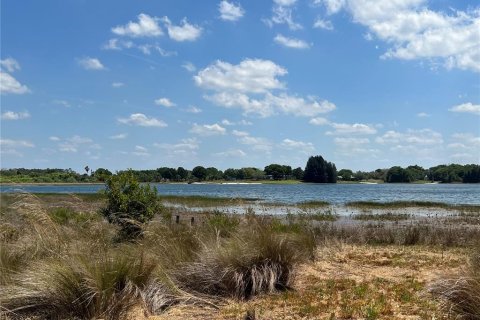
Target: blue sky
[{"x": 144, "y": 84}]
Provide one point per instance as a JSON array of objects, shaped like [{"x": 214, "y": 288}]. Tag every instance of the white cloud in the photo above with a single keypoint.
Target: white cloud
[
  {"x": 208, "y": 129},
  {"x": 194, "y": 109},
  {"x": 285, "y": 3},
  {"x": 423, "y": 115},
  {"x": 248, "y": 86},
  {"x": 272, "y": 104},
  {"x": 118, "y": 84},
  {"x": 282, "y": 14},
  {"x": 230, "y": 11},
  {"x": 348, "y": 129},
  {"x": 91, "y": 64},
  {"x": 332, "y": 6},
  {"x": 411, "y": 137},
  {"x": 164, "y": 102},
  {"x": 141, "y": 148},
  {"x": 240, "y": 133},
  {"x": 350, "y": 142},
  {"x": 16, "y": 143},
  {"x": 117, "y": 44},
  {"x": 148, "y": 48},
  {"x": 250, "y": 75},
  {"x": 139, "y": 119},
  {"x": 183, "y": 32},
  {"x": 10, "y": 115},
  {"x": 256, "y": 143},
  {"x": 323, "y": 24},
  {"x": 119, "y": 136},
  {"x": 416, "y": 32},
  {"x": 141, "y": 151},
  {"x": 146, "y": 26},
  {"x": 186, "y": 147},
  {"x": 54, "y": 138},
  {"x": 10, "y": 64},
  {"x": 74, "y": 143},
  {"x": 291, "y": 42},
  {"x": 319, "y": 121},
  {"x": 242, "y": 122},
  {"x": 8, "y": 84},
  {"x": 300, "y": 146},
  {"x": 190, "y": 67},
  {"x": 231, "y": 153},
  {"x": 467, "y": 108}
]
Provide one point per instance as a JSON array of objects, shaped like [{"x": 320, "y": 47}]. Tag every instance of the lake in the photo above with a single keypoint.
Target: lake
[{"x": 294, "y": 193}]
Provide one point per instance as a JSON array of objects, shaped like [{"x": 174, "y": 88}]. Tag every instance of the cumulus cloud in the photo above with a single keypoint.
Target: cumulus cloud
[
  {"x": 300, "y": 146},
  {"x": 16, "y": 143},
  {"x": 323, "y": 24},
  {"x": 231, "y": 153},
  {"x": 249, "y": 85},
  {"x": 230, "y": 11},
  {"x": 319, "y": 121},
  {"x": 186, "y": 147},
  {"x": 91, "y": 64},
  {"x": 164, "y": 102},
  {"x": 183, "y": 32},
  {"x": 349, "y": 129},
  {"x": 10, "y": 64},
  {"x": 250, "y": 75},
  {"x": 10, "y": 115},
  {"x": 291, "y": 42},
  {"x": 139, "y": 119},
  {"x": 208, "y": 129},
  {"x": 146, "y": 26},
  {"x": 282, "y": 14},
  {"x": 415, "y": 32},
  {"x": 8, "y": 84},
  {"x": 411, "y": 137},
  {"x": 467, "y": 108},
  {"x": 256, "y": 143}
]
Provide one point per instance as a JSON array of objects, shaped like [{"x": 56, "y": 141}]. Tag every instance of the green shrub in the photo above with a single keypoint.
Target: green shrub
[{"x": 130, "y": 204}]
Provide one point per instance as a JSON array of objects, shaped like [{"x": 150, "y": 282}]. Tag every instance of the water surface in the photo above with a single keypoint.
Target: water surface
[{"x": 294, "y": 193}]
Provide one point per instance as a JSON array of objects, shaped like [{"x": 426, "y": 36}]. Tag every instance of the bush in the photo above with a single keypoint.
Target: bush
[
  {"x": 130, "y": 204},
  {"x": 82, "y": 286},
  {"x": 254, "y": 260}
]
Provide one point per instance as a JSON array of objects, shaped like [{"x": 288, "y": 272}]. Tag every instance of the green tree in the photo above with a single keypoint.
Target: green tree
[
  {"x": 200, "y": 173},
  {"x": 129, "y": 204},
  {"x": 320, "y": 171},
  {"x": 346, "y": 174},
  {"x": 297, "y": 173},
  {"x": 277, "y": 171},
  {"x": 102, "y": 174},
  {"x": 398, "y": 174}
]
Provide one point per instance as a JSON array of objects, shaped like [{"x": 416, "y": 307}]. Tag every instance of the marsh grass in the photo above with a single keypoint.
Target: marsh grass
[
  {"x": 460, "y": 292},
  {"x": 389, "y": 216},
  {"x": 411, "y": 204}
]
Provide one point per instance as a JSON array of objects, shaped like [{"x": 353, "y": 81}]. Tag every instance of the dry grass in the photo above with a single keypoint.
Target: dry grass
[
  {"x": 60, "y": 262},
  {"x": 459, "y": 292}
]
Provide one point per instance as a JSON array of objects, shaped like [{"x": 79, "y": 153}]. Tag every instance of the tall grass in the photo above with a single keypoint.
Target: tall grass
[
  {"x": 255, "y": 259},
  {"x": 85, "y": 287},
  {"x": 460, "y": 292}
]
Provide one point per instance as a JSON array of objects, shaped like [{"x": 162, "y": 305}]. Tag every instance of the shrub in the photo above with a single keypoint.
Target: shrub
[
  {"x": 255, "y": 259},
  {"x": 130, "y": 204}
]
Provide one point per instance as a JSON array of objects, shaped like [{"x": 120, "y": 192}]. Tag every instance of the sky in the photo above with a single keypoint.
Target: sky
[{"x": 144, "y": 84}]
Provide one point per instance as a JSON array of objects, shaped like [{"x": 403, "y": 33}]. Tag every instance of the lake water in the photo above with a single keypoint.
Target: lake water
[{"x": 294, "y": 193}]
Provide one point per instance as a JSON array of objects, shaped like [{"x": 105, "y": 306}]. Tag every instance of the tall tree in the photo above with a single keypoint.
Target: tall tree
[{"x": 319, "y": 171}]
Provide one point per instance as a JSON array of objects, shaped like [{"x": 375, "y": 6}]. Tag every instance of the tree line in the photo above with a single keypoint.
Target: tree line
[{"x": 317, "y": 170}]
